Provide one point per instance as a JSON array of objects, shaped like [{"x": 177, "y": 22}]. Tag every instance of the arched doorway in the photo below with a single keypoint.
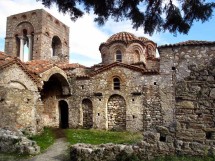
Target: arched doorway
[
  {"x": 63, "y": 114},
  {"x": 54, "y": 89},
  {"x": 87, "y": 108},
  {"x": 116, "y": 109}
]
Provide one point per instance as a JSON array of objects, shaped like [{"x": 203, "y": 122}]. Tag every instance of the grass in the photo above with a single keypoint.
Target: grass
[
  {"x": 45, "y": 139},
  {"x": 101, "y": 137},
  {"x": 185, "y": 158}
]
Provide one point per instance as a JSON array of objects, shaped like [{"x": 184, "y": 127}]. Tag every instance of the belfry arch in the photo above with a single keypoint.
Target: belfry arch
[{"x": 24, "y": 35}]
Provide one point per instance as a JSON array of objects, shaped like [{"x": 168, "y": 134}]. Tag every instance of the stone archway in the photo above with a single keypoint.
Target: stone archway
[
  {"x": 53, "y": 90},
  {"x": 116, "y": 108},
  {"x": 63, "y": 114},
  {"x": 87, "y": 108}
]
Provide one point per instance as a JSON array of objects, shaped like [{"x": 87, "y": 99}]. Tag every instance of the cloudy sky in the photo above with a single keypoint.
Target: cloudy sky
[{"x": 86, "y": 36}]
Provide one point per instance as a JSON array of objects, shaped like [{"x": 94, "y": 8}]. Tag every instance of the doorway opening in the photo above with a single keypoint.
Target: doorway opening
[{"x": 64, "y": 114}]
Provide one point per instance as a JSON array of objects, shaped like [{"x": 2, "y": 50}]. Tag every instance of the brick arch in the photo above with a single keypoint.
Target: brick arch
[
  {"x": 113, "y": 49},
  {"x": 60, "y": 75},
  {"x": 137, "y": 51},
  {"x": 87, "y": 108},
  {"x": 116, "y": 113},
  {"x": 25, "y": 25},
  {"x": 116, "y": 74}
]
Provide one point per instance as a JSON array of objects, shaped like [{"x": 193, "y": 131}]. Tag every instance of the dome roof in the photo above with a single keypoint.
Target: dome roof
[
  {"x": 122, "y": 36},
  {"x": 143, "y": 39}
]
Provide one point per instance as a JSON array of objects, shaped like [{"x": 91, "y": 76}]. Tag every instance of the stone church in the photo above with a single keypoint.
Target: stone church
[{"x": 131, "y": 89}]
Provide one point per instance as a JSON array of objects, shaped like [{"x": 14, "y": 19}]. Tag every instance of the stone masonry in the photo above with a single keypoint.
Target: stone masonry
[{"x": 171, "y": 96}]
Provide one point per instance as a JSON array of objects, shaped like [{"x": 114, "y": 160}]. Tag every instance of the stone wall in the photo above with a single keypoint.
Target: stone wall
[
  {"x": 159, "y": 142},
  {"x": 16, "y": 142},
  {"x": 135, "y": 88},
  {"x": 19, "y": 99}
]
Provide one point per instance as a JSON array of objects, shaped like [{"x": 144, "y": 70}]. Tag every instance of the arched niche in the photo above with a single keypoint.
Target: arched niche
[
  {"x": 87, "y": 108},
  {"x": 116, "y": 113}
]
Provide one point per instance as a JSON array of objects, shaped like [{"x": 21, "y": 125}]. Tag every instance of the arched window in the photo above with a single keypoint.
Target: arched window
[
  {"x": 118, "y": 56},
  {"x": 136, "y": 56},
  {"x": 56, "y": 46},
  {"x": 116, "y": 84}
]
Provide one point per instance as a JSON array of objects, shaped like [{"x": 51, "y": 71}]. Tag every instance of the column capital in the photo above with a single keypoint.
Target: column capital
[
  {"x": 29, "y": 36},
  {"x": 21, "y": 37}
]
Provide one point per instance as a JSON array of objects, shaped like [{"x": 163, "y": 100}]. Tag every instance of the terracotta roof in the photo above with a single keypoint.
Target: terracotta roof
[
  {"x": 189, "y": 43},
  {"x": 40, "y": 66},
  {"x": 125, "y": 37},
  {"x": 132, "y": 67},
  {"x": 122, "y": 36},
  {"x": 66, "y": 66},
  {"x": 144, "y": 39},
  {"x": 6, "y": 61}
]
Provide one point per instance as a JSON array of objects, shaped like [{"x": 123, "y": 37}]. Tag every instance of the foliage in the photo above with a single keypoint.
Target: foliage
[
  {"x": 45, "y": 139},
  {"x": 101, "y": 137},
  {"x": 152, "y": 15}
]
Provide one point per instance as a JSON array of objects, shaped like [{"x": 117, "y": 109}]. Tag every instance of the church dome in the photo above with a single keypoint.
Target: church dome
[
  {"x": 143, "y": 39},
  {"x": 122, "y": 36}
]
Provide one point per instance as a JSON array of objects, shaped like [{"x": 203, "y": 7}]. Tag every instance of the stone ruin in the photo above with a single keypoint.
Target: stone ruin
[{"x": 131, "y": 89}]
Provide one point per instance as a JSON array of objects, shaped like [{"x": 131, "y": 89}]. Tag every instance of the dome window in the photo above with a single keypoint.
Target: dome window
[
  {"x": 116, "y": 84},
  {"x": 118, "y": 56}
]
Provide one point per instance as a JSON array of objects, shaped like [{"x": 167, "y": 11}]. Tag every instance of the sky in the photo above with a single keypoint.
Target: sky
[{"x": 86, "y": 35}]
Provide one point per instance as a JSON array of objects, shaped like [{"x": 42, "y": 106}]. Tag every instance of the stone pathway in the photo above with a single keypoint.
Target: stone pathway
[{"x": 57, "y": 152}]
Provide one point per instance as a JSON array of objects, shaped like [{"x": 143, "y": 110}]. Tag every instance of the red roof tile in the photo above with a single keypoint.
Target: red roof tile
[
  {"x": 6, "y": 61},
  {"x": 132, "y": 67},
  {"x": 189, "y": 43},
  {"x": 40, "y": 66}
]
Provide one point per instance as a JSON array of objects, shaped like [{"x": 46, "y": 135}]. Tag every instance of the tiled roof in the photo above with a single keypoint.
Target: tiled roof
[
  {"x": 6, "y": 61},
  {"x": 144, "y": 39},
  {"x": 131, "y": 67},
  {"x": 122, "y": 36},
  {"x": 40, "y": 66},
  {"x": 189, "y": 43},
  {"x": 66, "y": 66}
]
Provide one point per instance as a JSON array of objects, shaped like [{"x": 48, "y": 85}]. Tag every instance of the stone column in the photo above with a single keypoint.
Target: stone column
[
  {"x": 21, "y": 51},
  {"x": 30, "y": 56}
]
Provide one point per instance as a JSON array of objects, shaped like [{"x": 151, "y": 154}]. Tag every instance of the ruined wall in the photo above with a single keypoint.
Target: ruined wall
[{"x": 19, "y": 97}]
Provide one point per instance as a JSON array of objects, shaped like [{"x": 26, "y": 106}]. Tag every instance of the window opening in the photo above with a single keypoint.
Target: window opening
[
  {"x": 116, "y": 84},
  {"x": 118, "y": 56}
]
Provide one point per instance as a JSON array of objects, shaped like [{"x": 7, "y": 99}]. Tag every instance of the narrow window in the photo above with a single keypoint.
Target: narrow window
[
  {"x": 116, "y": 84},
  {"x": 118, "y": 56}
]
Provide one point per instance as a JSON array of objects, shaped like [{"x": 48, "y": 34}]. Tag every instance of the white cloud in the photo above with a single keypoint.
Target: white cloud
[{"x": 85, "y": 35}]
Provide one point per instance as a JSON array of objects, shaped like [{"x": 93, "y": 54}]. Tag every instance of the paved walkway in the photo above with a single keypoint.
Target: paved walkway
[{"x": 57, "y": 152}]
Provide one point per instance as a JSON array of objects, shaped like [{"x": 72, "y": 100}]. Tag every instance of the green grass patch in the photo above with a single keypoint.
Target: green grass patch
[
  {"x": 45, "y": 139},
  {"x": 185, "y": 158},
  {"x": 101, "y": 137}
]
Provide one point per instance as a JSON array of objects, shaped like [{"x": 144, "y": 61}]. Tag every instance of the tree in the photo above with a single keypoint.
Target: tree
[{"x": 152, "y": 15}]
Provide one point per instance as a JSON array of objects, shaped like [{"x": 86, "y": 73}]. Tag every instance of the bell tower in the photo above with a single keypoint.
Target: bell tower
[{"x": 37, "y": 35}]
